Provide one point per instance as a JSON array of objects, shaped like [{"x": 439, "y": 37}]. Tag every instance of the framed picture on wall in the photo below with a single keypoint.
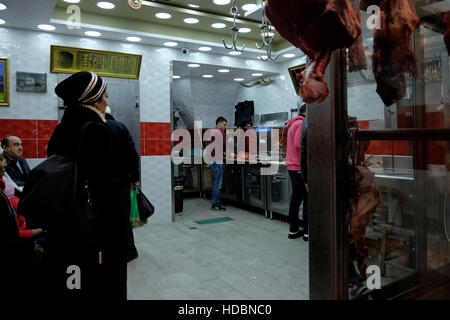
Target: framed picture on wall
[
  {"x": 31, "y": 82},
  {"x": 293, "y": 72},
  {"x": 4, "y": 82}
]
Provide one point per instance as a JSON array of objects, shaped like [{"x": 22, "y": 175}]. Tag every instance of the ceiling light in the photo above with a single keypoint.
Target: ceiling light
[
  {"x": 250, "y": 6},
  {"x": 223, "y": 70},
  {"x": 218, "y": 25},
  {"x": 268, "y": 34},
  {"x": 93, "y": 33},
  {"x": 176, "y": 77},
  {"x": 204, "y": 49},
  {"x": 191, "y": 20},
  {"x": 193, "y": 65},
  {"x": 207, "y": 76},
  {"x": 239, "y": 79},
  {"x": 46, "y": 27},
  {"x": 2, "y": 21},
  {"x": 2, "y": 6},
  {"x": 105, "y": 5},
  {"x": 193, "y": 5},
  {"x": 257, "y": 74},
  {"x": 163, "y": 15},
  {"x": 134, "y": 39},
  {"x": 244, "y": 30},
  {"x": 71, "y": 1},
  {"x": 235, "y": 53},
  {"x": 170, "y": 44},
  {"x": 222, "y": 2},
  {"x": 289, "y": 55},
  {"x": 263, "y": 57}
]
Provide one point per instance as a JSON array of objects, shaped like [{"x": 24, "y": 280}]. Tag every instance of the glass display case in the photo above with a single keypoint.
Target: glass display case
[
  {"x": 280, "y": 192},
  {"x": 398, "y": 222}
]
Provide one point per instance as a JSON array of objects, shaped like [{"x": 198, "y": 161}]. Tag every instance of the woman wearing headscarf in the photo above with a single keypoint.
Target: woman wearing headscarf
[{"x": 83, "y": 131}]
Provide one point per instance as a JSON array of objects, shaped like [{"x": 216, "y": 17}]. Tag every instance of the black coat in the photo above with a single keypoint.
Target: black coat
[
  {"x": 125, "y": 154},
  {"x": 18, "y": 177},
  {"x": 95, "y": 163}
]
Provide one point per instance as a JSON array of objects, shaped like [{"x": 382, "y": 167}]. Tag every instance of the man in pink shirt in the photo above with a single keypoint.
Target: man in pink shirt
[
  {"x": 217, "y": 167},
  {"x": 299, "y": 192}
]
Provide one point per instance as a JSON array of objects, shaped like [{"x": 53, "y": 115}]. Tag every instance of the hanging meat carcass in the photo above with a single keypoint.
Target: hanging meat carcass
[
  {"x": 356, "y": 57},
  {"x": 446, "y": 21},
  {"x": 317, "y": 27},
  {"x": 392, "y": 49}
]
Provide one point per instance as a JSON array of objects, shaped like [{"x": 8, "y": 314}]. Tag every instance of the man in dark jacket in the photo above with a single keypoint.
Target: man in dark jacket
[
  {"x": 127, "y": 172},
  {"x": 17, "y": 168}
]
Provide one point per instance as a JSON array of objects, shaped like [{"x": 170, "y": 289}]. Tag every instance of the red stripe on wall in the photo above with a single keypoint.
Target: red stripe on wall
[
  {"x": 33, "y": 133},
  {"x": 155, "y": 139}
]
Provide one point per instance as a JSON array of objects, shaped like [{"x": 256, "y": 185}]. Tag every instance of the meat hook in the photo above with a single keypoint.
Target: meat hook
[{"x": 234, "y": 30}]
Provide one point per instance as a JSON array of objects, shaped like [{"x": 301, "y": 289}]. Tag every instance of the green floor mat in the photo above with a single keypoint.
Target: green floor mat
[{"x": 208, "y": 221}]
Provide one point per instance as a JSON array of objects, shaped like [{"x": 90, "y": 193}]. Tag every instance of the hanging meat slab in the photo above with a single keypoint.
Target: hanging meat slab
[
  {"x": 392, "y": 49},
  {"x": 317, "y": 27},
  {"x": 356, "y": 57},
  {"x": 446, "y": 21}
]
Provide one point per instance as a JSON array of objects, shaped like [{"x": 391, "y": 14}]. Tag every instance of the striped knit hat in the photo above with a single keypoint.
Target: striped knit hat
[{"x": 81, "y": 88}]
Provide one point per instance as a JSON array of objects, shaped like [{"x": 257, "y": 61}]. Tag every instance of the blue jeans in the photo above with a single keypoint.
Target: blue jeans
[{"x": 217, "y": 173}]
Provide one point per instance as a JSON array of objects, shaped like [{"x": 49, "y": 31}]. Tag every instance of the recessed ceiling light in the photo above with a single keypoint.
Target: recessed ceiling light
[
  {"x": 2, "y": 21},
  {"x": 46, "y": 27},
  {"x": 289, "y": 55},
  {"x": 191, "y": 20},
  {"x": 207, "y": 76},
  {"x": 235, "y": 53},
  {"x": 193, "y": 5},
  {"x": 193, "y": 65},
  {"x": 244, "y": 30},
  {"x": 218, "y": 25},
  {"x": 176, "y": 77},
  {"x": 250, "y": 6},
  {"x": 223, "y": 70},
  {"x": 204, "y": 49},
  {"x": 263, "y": 57},
  {"x": 170, "y": 44},
  {"x": 134, "y": 39},
  {"x": 257, "y": 74},
  {"x": 163, "y": 15},
  {"x": 93, "y": 33},
  {"x": 268, "y": 34},
  {"x": 2, "y": 6},
  {"x": 239, "y": 79},
  {"x": 71, "y": 1},
  {"x": 222, "y": 2},
  {"x": 105, "y": 5}
]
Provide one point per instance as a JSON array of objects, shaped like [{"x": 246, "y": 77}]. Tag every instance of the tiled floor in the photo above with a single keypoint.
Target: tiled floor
[{"x": 249, "y": 257}]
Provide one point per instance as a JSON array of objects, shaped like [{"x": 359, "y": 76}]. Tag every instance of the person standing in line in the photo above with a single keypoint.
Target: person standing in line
[
  {"x": 299, "y": 193},
  {"x": 127, "y": 171},
  {"x": 17, "y": 169},
  {"x": 98, "y": 252},
  {"x": 217, "y": 167}
]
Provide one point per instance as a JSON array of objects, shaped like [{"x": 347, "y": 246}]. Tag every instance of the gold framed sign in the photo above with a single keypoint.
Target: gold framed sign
[
  {"x": 4, "y": 82},
  {"x": 293, "y": 72},
  {"x": 104, "y": 63}
]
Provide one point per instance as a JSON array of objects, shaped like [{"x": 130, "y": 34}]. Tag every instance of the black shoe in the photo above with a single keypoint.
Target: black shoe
[
  {"x": 132, "y": 256},
  {"x": 295, "y": 235},
  {"x": 306, "y": 237},
  {"x": 218, "y": 208}
]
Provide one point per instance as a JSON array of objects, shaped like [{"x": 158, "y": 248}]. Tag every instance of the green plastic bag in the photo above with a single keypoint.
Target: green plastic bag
[{"x": 134, "y": 211}]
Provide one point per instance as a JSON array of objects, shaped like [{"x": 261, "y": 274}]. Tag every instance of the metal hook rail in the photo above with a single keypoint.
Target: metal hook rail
[
  {"x": 234, "y": 30},
  {"x": 267, "y": 39}
]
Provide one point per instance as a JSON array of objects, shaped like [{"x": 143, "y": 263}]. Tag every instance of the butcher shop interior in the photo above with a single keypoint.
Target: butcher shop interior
[{"x": 192, "y": 80}]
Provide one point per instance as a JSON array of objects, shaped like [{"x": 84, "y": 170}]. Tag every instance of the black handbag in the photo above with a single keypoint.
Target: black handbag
[{"x": 145, "y": 207}]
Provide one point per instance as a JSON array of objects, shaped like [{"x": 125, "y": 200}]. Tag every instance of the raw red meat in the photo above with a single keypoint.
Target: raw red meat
[
  {"x": 446, "y": 21},
  {"x": 392, "y": 49},
  {"x": 317, "y": 27},
  {"x": 356, "y": 57}
]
